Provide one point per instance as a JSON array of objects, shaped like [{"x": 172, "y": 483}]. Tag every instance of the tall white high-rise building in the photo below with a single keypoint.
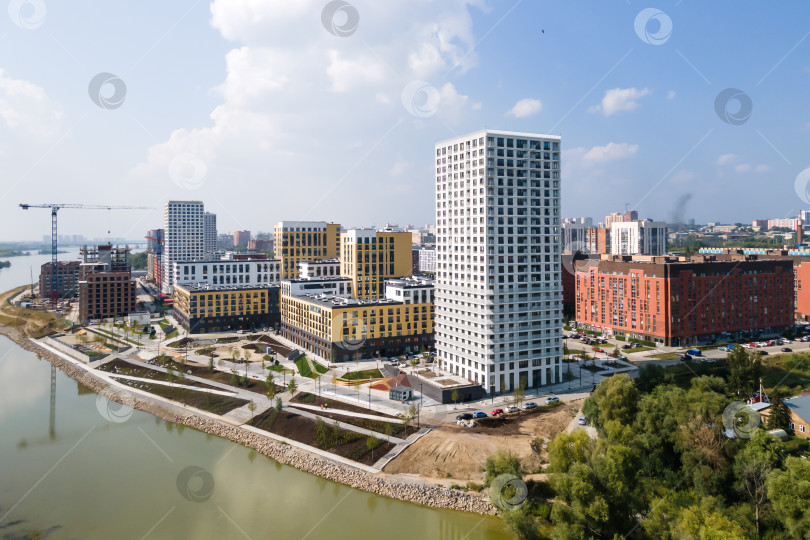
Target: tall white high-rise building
[
  {"x": 638, "y": 238},
  {"x": 183, "y": 236},
  {"x": 498, "y": 286},
  {"x": 209, "y": 235}
]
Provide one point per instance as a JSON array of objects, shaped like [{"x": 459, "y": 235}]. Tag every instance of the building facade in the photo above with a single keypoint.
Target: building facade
[
  {"x": 341, "y": 329},
  {"x": 638, "y": 238},
  {"x": 222, "y": 308},
  {"x": 183, "y": 236},
  {"x": 67, "y": 279},
  {"x": 677, "y": 302},
  {"x": 297, "y": 241},
  {"x": 427, "y": 260},
  {"x": 209, "y": 235},
  {"x": 227, "y": 272},
  {"x": 241, "y": 238},
  {"x": 368, "y": 257},
  {"x": 106, "y": 287},
  {"x": 498, "y": 288}
]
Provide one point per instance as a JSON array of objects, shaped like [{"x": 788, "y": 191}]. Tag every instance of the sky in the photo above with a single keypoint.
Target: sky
[{"x": 329, "y": 111}]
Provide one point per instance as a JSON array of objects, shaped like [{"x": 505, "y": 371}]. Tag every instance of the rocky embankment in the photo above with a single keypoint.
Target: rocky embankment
[{"x": 381, "y": 484}]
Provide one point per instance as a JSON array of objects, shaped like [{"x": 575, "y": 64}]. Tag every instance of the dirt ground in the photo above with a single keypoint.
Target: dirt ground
[{"x": 461, "y": 452}]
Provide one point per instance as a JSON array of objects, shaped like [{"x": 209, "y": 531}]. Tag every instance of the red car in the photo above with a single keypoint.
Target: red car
[
  {"x": 597, "y": 349},
  {"x": 496, "y": 412}
]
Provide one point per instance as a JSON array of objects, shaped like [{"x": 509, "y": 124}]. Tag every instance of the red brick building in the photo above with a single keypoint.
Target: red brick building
[
  {"x": 677, "y": 301},
  {"x": 106, "y": 287}
]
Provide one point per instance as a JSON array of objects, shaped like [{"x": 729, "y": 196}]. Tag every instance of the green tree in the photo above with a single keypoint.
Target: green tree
[
  {"x": 744, "y": 371},
  {"x": 780, "y": 413},
  {"x": 292, "y": 386},
  {"x": 251, "y": 408},
  {"x": 519, "y": 395},
  {"x": 334, "y": 382},
  {"x": 752, "y": 465},
  {"x": 789, "y": 493},
  {"x": 454, "y": 396},
  {"x": 502, "y": 462},
  {"x": 270, "y": 385},
  {"x": 615, "y": 398},
  {"x": 371, "y": 443},
  {"x": 414, "y": 362},
  {"x": 278, "y": 404},
  {"x": 211, "y": 363}
]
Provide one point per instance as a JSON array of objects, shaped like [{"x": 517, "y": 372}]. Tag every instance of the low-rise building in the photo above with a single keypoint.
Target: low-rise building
[
  {"x": 677, "y": 301},
  {"x": 341, "y": 329},
  {"x": 799, "y": 408},
  {"x": 227, "y": 272},
  {"x": 203, "y": 308},
  {"x": 319, "y": 268}
]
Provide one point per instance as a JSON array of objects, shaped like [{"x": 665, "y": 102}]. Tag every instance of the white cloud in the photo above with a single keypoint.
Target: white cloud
[
  {"x": 399, "y": 168},
  {"x": 671, "y": 94},
  {"x": 743, "y": 168},
  {"x": 24, "y": 107},
  {"x": 526, "y": 107},
  {"x": 619, "y": 99},
  {"x": 762, "y": 168},
  {"x": 727, "y": 159},
  {"x": 610, "y": 152},
  {"x": 339, "y": 112}
]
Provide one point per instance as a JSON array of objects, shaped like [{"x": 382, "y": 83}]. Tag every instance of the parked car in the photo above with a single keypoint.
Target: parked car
[
  {"x": 625, "y": 346},
  {"x": 694, "y": 352},
  {"x": 582, "y": 421},
  {"x": 785, "y": 341},
  {"x": 723, "y": 349},
  {"x": 464, "y": 416},
  {"x": 686, "y": 357},
  {"x": 599, "y": 350},
  {"x": 551, "y": 399},
  {"x": 496, "y": 412},
  {"x": 763, "y": 353},
  {"x": 512, "y": 409},
  {"x": 786, "y": 349},
  {"x": 479, "y": 414},
  {"x": 529, "y": 405}
]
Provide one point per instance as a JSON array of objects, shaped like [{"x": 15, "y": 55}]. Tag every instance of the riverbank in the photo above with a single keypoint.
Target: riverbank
[{"x": 380, "y": 483}]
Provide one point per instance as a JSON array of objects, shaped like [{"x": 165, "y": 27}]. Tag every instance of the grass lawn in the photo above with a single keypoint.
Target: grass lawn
[
  {"x": 164, "y": 323},
  {"x": 319, "y": 368},
  {"x": 790, "y": 369},
  {"x": 359, "y": 375},
  {"x": 303, "y": 368},
  {"x": 665, "y": 356}
]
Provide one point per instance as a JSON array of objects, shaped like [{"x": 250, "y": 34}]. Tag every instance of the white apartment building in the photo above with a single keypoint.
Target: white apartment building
[
  {"x": 227, "y": 272},
  {"x": 210, "y": 236},
  {"x": 319, "y": 268},
  {"x": 410, "y": 290},
  {"x": 498, "y": 287},
  {"x": 183, "y": 236},
  {"x": 574, "y": 236},
  {"x": 427, "y": 260},
  {"x": 638, "y": 238},
  {"x": 322, "y": 286}
]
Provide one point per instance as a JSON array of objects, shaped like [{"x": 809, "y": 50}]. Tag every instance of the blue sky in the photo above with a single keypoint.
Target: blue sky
[{"x": 257, "y": 109}]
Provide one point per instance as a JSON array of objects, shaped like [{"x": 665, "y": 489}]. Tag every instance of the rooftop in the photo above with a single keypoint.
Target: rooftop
[
  {"x": 206, "y": 287},
  {"x": 801, "y": 406}
]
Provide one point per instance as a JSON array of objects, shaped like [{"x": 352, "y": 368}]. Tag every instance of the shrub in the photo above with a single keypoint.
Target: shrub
[{"x": 502, "y": 462}]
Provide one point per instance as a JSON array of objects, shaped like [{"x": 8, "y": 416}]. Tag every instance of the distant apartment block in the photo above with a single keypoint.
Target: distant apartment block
[
  {"x": 260, "y": 245},
  {"x": 785, "y": 223},
  {"x": 209, "y": 235},
  {"x": 297, "y": 241},
  {"x": 319, "y": 268},
  {"x": 184, "y": 236},
  {"x": 677, "y": 302},
  {"x": 498, "y": 285},
  {"x": 106, "y": 287},
  {"x": 241, "y": 238},
  {"x": 427, "y": 260},
  {"x": 67, "y": 279},
  {"x": 638, "y": 238}
]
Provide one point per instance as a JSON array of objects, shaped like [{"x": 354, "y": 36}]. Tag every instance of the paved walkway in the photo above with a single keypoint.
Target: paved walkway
[
  {"x": 316, "y": 408},
  {"x": 347, "y": 426},
  {"x": 243, "y": 414},
  {"x": 399, "y": 448}
]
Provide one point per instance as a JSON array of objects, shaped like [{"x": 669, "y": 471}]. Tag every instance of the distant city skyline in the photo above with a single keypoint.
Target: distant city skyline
[{"x": 269, "y": 114}]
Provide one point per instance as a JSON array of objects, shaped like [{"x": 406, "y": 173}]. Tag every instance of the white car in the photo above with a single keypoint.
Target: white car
[
  {"x": 582, "y": 421},
  {"x": 551, "y": 399},
  {"x": 723, "y": 349},
  {"x": 785, "y": 341},
  {"x": 512, "y": 409},
  {"x": 746, "y": 345}
]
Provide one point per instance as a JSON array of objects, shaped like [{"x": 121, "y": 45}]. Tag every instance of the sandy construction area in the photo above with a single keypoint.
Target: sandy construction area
[{"x": 461, "y": 452}]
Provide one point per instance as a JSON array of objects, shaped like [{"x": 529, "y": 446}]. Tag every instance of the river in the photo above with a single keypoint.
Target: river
[{"x": 93, "y": 470}]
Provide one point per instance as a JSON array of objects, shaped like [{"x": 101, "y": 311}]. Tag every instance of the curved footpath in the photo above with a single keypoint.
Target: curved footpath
[{"x": 380, "y": 484}]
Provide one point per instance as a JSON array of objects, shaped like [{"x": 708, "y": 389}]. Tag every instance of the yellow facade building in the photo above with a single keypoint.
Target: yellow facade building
[
  {"x": 342, "y": 329},
  {"x": 368, "y": 257},
  {"x": 203, "y": 308},
  {"x": 297, "y": 241}
]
